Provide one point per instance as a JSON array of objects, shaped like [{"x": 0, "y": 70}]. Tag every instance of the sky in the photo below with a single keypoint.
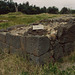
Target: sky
[{"x": 58, "y": 3}]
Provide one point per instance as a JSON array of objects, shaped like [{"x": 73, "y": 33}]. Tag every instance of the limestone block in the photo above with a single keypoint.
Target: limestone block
[
  {"x": 37, "y": 45},
  {"x": 3, "y": 36},
  {"x": 4, "y": 47},
  {"x": 13, "y": 40}
]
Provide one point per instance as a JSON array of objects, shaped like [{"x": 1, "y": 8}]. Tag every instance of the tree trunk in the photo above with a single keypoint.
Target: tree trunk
[{"x": 16, "y": 8}]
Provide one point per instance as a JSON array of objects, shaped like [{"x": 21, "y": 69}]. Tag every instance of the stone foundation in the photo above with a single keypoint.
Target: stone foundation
[{"x": 40, "y": 48}]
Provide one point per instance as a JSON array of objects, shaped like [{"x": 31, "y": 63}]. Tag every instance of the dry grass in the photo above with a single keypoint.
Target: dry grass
[
  {"x": 15, "y": 65},
  {"x": 11, "y": 64}
]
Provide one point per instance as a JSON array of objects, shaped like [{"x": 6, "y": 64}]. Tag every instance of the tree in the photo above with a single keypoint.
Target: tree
[
  {"x": 27, "y": 3},
  {"x": 53, "y": 10},
  {"x": 16, "y": 7},
  {"x": 43, "y": 10},
  {"x": 11, "y": 6},
  {"x": 4, "y": 8},
  {"x": 65, "y": 10}
]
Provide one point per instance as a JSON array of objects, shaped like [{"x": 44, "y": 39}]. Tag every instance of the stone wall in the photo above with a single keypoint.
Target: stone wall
[
  {"x": 37, "y": 47},
  {"x": 40, "y": 48}
]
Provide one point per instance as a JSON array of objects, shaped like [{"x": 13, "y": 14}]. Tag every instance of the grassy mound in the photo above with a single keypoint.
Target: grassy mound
[{"x": 22, "y": 19}]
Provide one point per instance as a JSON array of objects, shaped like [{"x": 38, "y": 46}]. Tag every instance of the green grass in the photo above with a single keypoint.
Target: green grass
[{"x": 20, "y": 18}]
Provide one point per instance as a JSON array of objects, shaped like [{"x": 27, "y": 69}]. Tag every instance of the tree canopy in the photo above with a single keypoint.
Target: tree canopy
[
  {"x": 7, "y": 6},
  {"x": 65, "y": 10}
]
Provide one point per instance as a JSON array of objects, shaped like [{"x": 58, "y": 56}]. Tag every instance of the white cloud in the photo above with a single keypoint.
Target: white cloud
[{"x": 47, "y": 3}]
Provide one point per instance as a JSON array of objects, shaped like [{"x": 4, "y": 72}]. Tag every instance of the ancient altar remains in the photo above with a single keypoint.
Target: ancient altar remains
[{"x": 54, "y": 39}]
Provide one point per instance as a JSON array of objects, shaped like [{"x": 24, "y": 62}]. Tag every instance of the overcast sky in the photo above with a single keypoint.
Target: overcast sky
[{"x": 47, "y": 3}]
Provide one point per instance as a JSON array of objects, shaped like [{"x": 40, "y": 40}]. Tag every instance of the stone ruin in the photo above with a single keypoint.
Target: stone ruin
[{"x": 54, "y": 41}]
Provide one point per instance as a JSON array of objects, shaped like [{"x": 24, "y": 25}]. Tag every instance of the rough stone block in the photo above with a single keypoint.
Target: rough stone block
[
  {"x": 68, "y": 48},
  {"x": 67, "y": 38},
  {"x": 4, "y": 47},
  {"x": 37, "y": 45},
  {"x": 58, "y": 51},
  {"x": 41, "y": 59},
  {"x": 16, "y": 51},
  {"x": 3, "y": 36},
  {"x": 13, "y": 40}
]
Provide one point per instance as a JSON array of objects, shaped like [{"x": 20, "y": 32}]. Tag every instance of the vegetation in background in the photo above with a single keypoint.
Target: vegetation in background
[
  {"x": 53, "y": 10},
  {"x": 65, "y": 11},
  {"x": 7, "y": 6}
]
